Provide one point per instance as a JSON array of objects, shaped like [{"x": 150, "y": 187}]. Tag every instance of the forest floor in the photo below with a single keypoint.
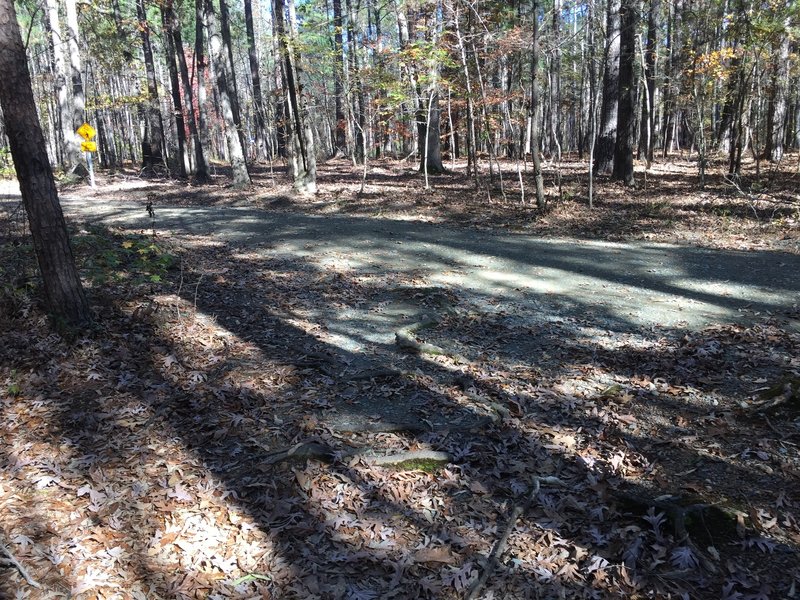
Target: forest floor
[{"x": 409, "y": 393}]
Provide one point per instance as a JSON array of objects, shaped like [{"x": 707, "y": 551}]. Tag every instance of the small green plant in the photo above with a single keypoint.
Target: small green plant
[
  {"x": 12, "y": 385},
  {"x": 115, "y": 258}
]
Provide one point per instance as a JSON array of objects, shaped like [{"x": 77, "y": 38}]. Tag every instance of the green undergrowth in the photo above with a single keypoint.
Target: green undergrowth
[
  {"x": 107, "y": 257},
  {"x": 420, "y": 464}
]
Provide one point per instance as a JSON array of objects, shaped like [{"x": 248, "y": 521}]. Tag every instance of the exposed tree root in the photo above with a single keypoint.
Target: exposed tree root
[{"x": 315, "y": 450}]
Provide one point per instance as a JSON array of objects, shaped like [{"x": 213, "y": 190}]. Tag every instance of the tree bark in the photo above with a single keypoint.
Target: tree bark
[
  {"x": 153, "y": 140},
  {"x": 299, "y": 137},
  {"x": 241, "y": 178},
  {"x": 62, "y": 286},
  {"x": 168, "y": 20},
  {"x": 536, "y": 110},
  {"x": 555, "y": 84},
  {"x": 778, "y": 103},
  {"x": 258, "y": 99},
  {"x": 647, "y": 126},
  {"x": 626, "y": 122},
  {"x": 606, "y": 140},
  {"x": 69, "y": 151},
  {"x": 200, "y": 164},
  {"x": 78, "y": 99},
  {"x": 340, "y": 131}
]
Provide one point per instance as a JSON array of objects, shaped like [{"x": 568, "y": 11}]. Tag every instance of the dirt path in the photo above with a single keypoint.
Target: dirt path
[{"x": 620, "y": 286}]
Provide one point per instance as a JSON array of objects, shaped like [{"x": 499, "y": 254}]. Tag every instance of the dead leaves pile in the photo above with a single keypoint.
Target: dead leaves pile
[{"x": 136, "y": 461}]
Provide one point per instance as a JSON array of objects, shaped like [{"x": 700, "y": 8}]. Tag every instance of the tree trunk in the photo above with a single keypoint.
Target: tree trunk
[
  {"x": 78, "y": 99},
  {"x": 230, "y": 73},
  {"x": 778, "y": 103},
  {"x": 258, "y": 99},
  {"x": 203, "y": 130},
  {"x": 555, "y": 84},
  {"x": 200, "y": 164},
  {"x": 167, "y": 20},
  {"x": 153, "y": 139},
  {"x": 241, "y": 178},
  {"x": 69, "y": 152},
  {"x": 536, "y": 110},
  {"x": 62, "y": 285},
  {"x": 648, "y": 134},
  {"x": 340, "y": 132},
  {"x": 299, "y": 137},
  {"x": 626, "y": 115},
  {"x": 606, "y": 140}
]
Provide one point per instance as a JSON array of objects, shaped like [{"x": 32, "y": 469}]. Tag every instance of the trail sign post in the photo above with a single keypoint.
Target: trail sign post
[{"x": 87, "y": 132}]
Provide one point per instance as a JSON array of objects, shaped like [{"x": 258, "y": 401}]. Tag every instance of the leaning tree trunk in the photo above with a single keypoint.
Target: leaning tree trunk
[
  {"x": 626, "y": 122},
  {"x": 153, "y": 139},
  {"x": 241, "y": 178},
  {"x": 62, "y": 285},
  {"x": 299, "y": 137},
  {"x": 606, "y": 140}
]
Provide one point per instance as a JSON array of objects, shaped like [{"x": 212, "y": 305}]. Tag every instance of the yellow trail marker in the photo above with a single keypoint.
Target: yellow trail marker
[
  {"x": 87, "y": 132},
  {"x": 88, "y": 147}
]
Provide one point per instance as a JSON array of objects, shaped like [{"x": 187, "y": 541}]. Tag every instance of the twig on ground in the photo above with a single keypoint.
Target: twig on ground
[
  {"x": 500, "y": 546},
  {"x": 10, "y": 560}
]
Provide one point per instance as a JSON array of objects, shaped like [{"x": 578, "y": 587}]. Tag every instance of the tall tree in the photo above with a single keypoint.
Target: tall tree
[
  {"x": 225, "y": 94},
  {"x": 70, "y": 152},
  {"x": 62, "y": 285},
  {"x": 606, "y": 139},
  {"x": 168, "y": 22},
  {"x": 200, "y": 164},
  {"x": 340, "y": 129},
  {"x": 779, "y": 98},
  {"x": 78, "y": 97},
  {"x": 153, "y": 139},
  {"x": 259, "y": 128},
  {"x": 647, "y": 125},
  {"x": 626, "y": 122},
  {"x": 536, "y": 109},
  {"x": 299, "y": 136}
]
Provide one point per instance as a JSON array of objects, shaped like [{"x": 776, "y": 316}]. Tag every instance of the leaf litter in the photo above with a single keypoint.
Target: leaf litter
[{"x": 210, "y": 438}]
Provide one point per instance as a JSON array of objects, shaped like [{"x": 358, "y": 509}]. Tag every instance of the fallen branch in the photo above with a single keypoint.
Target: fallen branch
[
  {"x": 396, "y": 459},
  {"x": 314, "y": 450},
  {"x": 500, "y": 546},
  {"x": 406, "y": 339},
  {"x": 11, "y": 561}
]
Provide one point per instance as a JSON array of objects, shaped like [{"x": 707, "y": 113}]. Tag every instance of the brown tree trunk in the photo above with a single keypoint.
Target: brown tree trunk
[
  {"x": 200, "y": 164},
  {"x": 62, "y": 285},
  {"x": 241, "y": 177},
  {"x": 626, "y": 122},
  {"x": 778, "y": 102},
  {"x": 167, "y": 21},
  {"x": 153, "y": 140},
  {"x": 536, "y": 110},
  {"x": 299, "y": 138},
  {"x": 340, "y": 132},
  {"x": 648, "y": 134},
  {"x": 606, "y": 140},
  {"x": 258, "y": 98}
]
